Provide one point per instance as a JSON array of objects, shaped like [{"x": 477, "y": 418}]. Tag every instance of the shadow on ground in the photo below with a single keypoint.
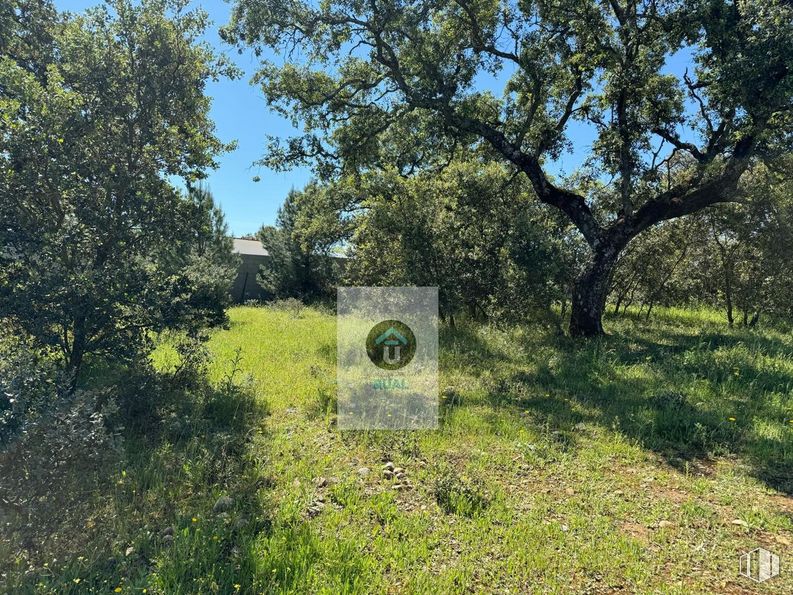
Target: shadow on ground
[{"x": 687, "y": 394}]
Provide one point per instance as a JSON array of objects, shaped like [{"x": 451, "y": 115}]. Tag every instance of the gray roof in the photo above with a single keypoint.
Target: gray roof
[{"x": 250, "y": 247}]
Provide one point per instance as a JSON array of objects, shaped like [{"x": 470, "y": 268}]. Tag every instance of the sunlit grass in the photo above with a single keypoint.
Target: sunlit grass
[{"x": 643, "y": 462}]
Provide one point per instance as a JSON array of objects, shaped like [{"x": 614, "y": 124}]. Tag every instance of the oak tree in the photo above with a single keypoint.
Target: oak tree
[{"x": 352, "y": 71}]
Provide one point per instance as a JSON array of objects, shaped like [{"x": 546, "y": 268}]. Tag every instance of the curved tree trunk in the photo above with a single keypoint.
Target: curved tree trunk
[{"x": 590, "y": 293}]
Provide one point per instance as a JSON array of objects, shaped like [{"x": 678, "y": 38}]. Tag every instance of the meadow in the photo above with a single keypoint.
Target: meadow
[{"x": 642, "y": 462}]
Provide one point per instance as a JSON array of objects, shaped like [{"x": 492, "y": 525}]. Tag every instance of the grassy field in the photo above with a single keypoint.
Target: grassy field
[{"x": 645, "y": 462}]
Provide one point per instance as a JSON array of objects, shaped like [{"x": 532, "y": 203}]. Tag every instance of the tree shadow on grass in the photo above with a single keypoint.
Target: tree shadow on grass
[
  {"x": 687, "y": 397},
  {"x": 149, "y": 510}
]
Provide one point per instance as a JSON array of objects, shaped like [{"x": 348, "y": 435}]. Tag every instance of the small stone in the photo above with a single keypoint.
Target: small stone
[
  {"x": 223, "y": 504},
  {"x": 569, "y": 491},
  {"x": 363, "y": 471},
  {"x": 388, "y": 474},
  {"x": 321, "y": 482},
  {"x": 400, "y": 476},
  {"x": 662, "y": 524},
  {"x": 389, "y": 466},
  {"x": 167, "y": 539},
  {"x": 167, "y": 531},
  {"x": 398, "y": 470},
  {"x": 240, "y": 522},
  {"x": 740, "y": 522},
  {"x": 398, "y": 487},
  {"x": 564, "y": 528},
  {"x": 129, "y": 551}
]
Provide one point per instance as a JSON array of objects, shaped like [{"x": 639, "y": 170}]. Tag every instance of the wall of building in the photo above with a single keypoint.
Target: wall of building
[{"x": 245, "y": 286}]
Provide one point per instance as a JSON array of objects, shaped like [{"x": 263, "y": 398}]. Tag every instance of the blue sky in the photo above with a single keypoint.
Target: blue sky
[{"x": 241, "y": 114}]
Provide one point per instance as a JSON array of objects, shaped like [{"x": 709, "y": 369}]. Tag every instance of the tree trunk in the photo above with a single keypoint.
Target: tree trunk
[{"x": 590, "y": 292}]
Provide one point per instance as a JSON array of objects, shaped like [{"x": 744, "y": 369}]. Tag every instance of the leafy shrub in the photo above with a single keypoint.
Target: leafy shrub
[
  {"x": 28, "y": 385},
  {"x": 59, "y": 457}
]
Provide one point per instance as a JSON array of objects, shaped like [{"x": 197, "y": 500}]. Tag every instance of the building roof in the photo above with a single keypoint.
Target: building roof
[{"x": 249, "y": 247}]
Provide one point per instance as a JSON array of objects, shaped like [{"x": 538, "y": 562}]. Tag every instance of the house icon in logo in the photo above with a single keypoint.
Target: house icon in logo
[
  {"x": 392, "y": 342},
  {"x": 759, "y": 565}
]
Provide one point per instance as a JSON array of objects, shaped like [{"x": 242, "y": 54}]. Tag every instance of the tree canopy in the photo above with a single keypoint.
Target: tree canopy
[
  {"x": 99, "y": 114},
  {"x": 386, "y": 81}
]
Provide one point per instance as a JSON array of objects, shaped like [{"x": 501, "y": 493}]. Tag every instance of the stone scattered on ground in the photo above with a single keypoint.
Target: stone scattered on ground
[
  {"x": 316, "y": 506},
  {"x": 321, "y": 482},
  {"x": 167, "y": 531},
  {"x": 390, "y": 472},
  {"x": 223, "y": 504},
  {"x": 363, "y": 471}
]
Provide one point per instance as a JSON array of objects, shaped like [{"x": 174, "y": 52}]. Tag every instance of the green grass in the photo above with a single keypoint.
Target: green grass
[
  {"x": 556, "y": 468},
  {"x": 619, "y": 465}
]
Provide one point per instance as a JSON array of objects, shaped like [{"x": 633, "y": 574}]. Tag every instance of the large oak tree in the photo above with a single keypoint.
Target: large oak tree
[{"x": 357, "y": 69}]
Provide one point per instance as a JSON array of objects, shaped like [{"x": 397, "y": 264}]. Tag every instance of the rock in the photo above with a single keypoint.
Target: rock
[
  {"x": 398, "y": 470},
  {"x": 240, "y": 522},
  {"x": 662, "y": 524},
  {"x": 564, "y": 528},
  {"x": 223, "y": 504},
  {"x": 402, "y": 486},
  {"x": 740, "y": 523},
  {"x": 389, "y": 466},
  {"x": 400, "y": 476},
  {"x": 129, "y": 551},
  {"x": 166, "y": 532},
  {"x": 363, "y": 471},
  {"x": 388, "y": 474},
  {"x": 167, "y": 539},
  {"x": 569, "y": 491},
  {"x": 321, "y": 482}
]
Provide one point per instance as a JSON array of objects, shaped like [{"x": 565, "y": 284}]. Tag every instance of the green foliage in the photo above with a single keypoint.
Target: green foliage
[
  {"x": 470, "y": 229},
  {"x": 734, "y": 256},
  {"x": 97, "y": 112},
  {"x": 140, "y": 468},
  {"x": 392, "y": 87},
  {"x": 297, "y": 268}
]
